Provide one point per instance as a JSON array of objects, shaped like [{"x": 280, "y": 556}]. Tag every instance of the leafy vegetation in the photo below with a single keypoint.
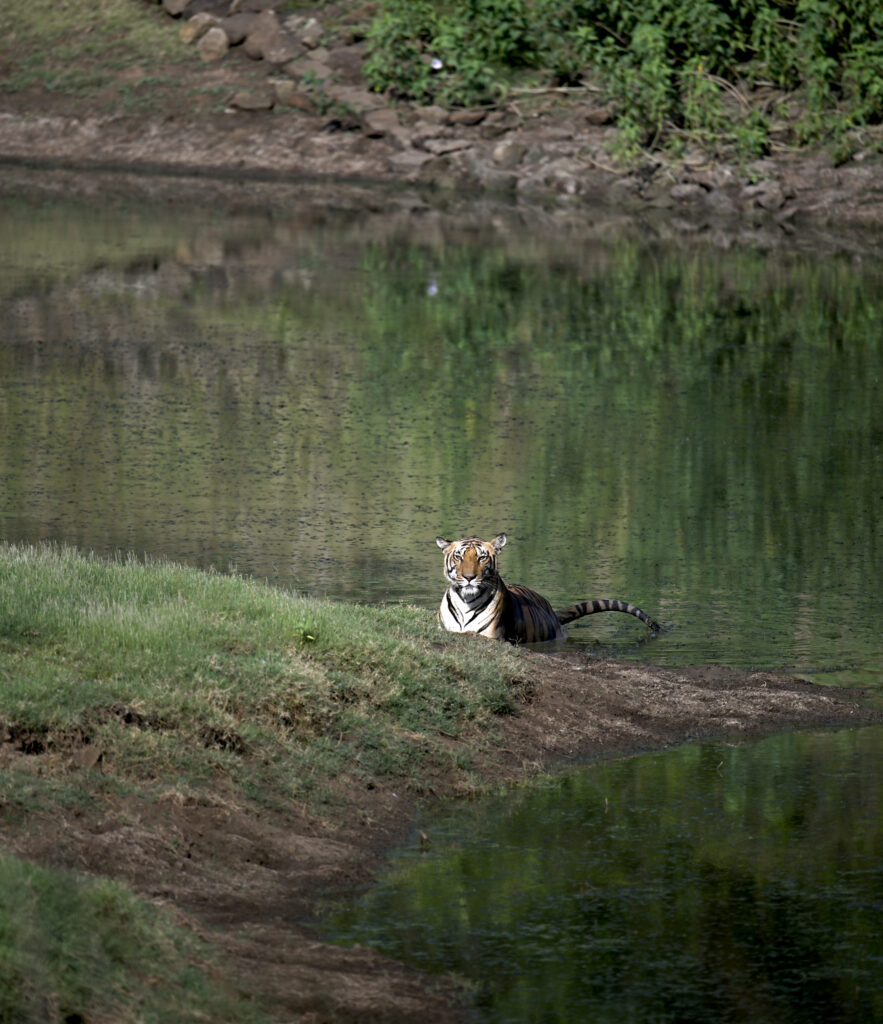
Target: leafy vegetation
[{"x": 726, "y": 74}]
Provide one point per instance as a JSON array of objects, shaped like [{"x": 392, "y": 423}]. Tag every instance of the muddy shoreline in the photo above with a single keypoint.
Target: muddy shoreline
[
  {"x": 184, "y": 855},
  {"x": 795, "y": 201}
]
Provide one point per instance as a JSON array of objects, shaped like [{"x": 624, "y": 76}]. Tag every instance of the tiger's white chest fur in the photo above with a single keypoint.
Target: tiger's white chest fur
[{"x": 479, "y": 614}]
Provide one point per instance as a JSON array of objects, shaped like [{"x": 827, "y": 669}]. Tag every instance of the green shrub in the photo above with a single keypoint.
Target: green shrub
[{"x": 671, "y": 67}]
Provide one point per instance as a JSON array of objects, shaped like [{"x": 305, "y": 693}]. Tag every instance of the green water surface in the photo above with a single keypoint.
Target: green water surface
[
  {"x": 313, "y": 396},
  {"x": 313, "y": 399},
  {"x": 705, "y": 885}
]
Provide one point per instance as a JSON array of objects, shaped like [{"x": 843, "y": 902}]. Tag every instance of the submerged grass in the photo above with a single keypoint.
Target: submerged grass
[{"x": 185, "y": 683}]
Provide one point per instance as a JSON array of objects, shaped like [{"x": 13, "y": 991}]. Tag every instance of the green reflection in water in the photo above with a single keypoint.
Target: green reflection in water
[
  {"x": 710, "y": 883},
  {"x": 314, "y": 400}
]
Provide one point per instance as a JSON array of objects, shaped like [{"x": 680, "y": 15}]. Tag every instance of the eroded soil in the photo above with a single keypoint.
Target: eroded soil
[{"x": 252, "y": 882}]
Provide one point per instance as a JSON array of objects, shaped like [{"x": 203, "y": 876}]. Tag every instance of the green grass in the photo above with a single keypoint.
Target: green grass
[
  {"x": 182, "y": 677},
  {"x": 202, "y": 686},
  {"x": 78, "y": 46},
  {"x": 77, "y": 949}
]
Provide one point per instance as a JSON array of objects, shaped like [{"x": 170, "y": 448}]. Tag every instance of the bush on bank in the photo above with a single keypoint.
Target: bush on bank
[{"x": 730, "y": 74}]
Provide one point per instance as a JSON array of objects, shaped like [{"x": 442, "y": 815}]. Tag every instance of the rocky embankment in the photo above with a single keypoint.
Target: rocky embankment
[{"x": 297, "y": 105}]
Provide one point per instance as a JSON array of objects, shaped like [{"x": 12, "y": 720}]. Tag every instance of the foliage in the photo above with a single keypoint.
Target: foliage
[{"x": 698, "y": 67}]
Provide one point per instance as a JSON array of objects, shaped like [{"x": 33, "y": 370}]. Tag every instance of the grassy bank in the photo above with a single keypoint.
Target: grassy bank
[
  {"x": 124, "y": 680},
  {"x": 80, "y": 949},
  {"x": 42, "y": 50}
]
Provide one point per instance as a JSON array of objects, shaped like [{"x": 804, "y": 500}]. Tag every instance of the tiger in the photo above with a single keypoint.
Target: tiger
[{"x": 478, "y": 601}]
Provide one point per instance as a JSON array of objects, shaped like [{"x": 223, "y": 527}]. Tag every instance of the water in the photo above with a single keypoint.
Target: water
[
  {"x": 312, "y": 397},
  {"x": 707, "y": 884}
]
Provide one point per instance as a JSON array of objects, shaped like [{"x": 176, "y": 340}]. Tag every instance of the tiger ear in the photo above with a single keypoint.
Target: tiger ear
[
  {"x": 442, "y": 543},
  {"x": 499, "y": 541}
]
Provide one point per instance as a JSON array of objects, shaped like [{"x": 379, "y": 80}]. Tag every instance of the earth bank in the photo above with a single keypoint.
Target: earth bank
[
  {"x": 295, "y": 106},
  {"x": 252, "y": 883}
]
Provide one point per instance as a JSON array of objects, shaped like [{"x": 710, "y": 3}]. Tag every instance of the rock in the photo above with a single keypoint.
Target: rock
[
  {"x": 714, "y": 177},
  {"x": 687, "y": 192},
  {"x": 767, "y": 194},
  {"x": 347, "y": 61},
  {"x": 213, "y": 45},
  {"x": 288, "y": 95},
  {"x": 409, "y": 160},
  {"x": 254, "y": 99},
  {"x": 440, "y": 173},
  {"x": 219, "y": 8},
  {"x": 377, "y": 123},
  {"x": 267, "y": 40},
  {"x": 694, "y": 157},
  {"x": 283, "y": 49},
  {"x": 237, "y": 26},
  {"x": 293, "y": 23},
  {"x": 306, "y": 68},
  {"x": 174, "y": 7},
  {"x": 311, "y": 34},
  {"x": 720, "y": 201},
  {"x": 508, "y": 153},
  {"x": 283, "y": 89},
  {"x": 599, "y": 115},
  {"x": 498, "y": 123},
  {"x": 467, "y": 117},
  {"x": 358, "y": 100},
  {"x": 659, "y": 200},
  {"x": 197, "y": 26},
  {"x": 303, "y": 102},
  {"x": 439, "y": 147},
  {"x": 433, "y": 115},
  {"x": 343, "y": 122},
  {"x": 263, "y": 24},
  {"x": 761, "y": 169},
  {"x": 562, "y": 174}
]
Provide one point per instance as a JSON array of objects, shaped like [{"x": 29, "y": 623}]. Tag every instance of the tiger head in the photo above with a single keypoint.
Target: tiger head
[{"x": 471, "y": 564}]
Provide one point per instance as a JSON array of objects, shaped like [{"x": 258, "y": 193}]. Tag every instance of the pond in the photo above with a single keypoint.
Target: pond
[
  {"x": 312, "y": 392},
  {"x": 312, "y": 397},
  {"x": 706, "y": 884}
]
